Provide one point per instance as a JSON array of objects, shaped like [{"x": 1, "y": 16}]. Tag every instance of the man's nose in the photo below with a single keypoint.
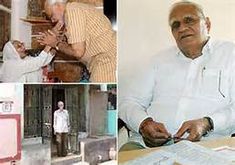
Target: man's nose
[{"x": 182, "y": 27}]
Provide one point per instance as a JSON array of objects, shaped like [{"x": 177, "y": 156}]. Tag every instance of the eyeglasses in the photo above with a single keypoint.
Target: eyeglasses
[{"x": 188, "y": 21}]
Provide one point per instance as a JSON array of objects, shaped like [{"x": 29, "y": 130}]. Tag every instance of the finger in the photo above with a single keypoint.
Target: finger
[
  {"x": 159, "y": 135},
  {"x": 193, "y": 136},
  {"x": 41, "y": 33},
  {"x": 46, "y": 34},
  {"x": 154, "y": 142},
  {"x": 184, "y": 128},
  {"x": 39, "y": 40},
  {"x": 162, "y": 129},
  {"x": 58, "y": 26},
  {"x": 51, "y": 33}
]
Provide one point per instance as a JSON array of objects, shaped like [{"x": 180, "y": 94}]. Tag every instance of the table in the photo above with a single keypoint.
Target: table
[{"x": 215, "y": 143}]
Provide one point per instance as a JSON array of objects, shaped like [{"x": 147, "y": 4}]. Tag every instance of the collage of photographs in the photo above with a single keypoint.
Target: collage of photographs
[{"x": 108, "y": 82}]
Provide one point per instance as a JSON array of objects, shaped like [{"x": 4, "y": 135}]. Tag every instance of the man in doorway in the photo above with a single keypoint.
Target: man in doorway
[
  {"x": 90, "y": 37},
  {"x": 61, "y": 129},
  {"x": 189, "y": 89}
]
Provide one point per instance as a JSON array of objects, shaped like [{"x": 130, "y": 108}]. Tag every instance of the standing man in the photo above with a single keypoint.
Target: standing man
[
  {"x": 189, "y": 91},
  {"x": 90, "y": 37},
  {"x": 61, "y": 129}
]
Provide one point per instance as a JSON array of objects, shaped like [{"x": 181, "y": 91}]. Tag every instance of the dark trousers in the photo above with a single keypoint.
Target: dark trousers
[{"x": 62, "y": 143}]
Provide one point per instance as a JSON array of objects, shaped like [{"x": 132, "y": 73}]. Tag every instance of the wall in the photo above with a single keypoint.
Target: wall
[
  {"x": 11, "y": 92},
  {"x": 19, "y": 29},
  {"x": 143, "y": 29}
]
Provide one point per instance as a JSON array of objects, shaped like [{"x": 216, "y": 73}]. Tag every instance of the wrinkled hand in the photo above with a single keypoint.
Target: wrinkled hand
[
  {"x": 57, "y": 29},
  {"x": 154, "y": 134},
  {"x": 48, "y": 38},
  {"x": 195, "y": 128}
]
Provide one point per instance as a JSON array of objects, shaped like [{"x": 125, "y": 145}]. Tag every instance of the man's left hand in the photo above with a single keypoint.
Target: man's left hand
[
  {"x": 48, "y": 38},
  {"x": 195, "y": 128}
]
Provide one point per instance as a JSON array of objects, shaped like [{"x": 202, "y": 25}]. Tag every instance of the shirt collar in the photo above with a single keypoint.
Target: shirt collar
[
  {"x": 207, "y": 49},
  {"x": 61, "y": 111}
]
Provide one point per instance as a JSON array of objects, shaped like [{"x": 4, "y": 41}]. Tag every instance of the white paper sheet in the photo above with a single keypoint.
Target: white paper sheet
[
  {"x": 159, "y": 157},
  {"x": 185, "y": 153},
  {"x": 227, "y": 152}
]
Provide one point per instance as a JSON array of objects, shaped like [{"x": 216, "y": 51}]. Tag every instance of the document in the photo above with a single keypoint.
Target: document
[
  {"x": 185, "y": 153},
  {"x": 227, "y": 152},
  {"x": 160, "y": 157}
]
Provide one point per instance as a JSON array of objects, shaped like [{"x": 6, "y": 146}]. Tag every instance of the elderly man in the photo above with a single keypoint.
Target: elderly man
[
  {"x": 90, "y": 37},
  {"x": 19, "y": 67},
  {"x": 189, "y": 91},
  {"x": 61, "y": 128}
]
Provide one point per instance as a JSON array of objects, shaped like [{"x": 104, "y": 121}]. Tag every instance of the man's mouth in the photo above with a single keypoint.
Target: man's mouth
[{"x": 185, "y": 36}]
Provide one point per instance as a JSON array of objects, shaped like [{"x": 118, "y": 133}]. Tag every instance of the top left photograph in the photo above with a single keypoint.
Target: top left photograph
[{"x": 58, "y": 41}]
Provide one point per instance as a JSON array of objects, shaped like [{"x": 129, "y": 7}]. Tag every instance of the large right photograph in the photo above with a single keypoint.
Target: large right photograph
[{"x": 176, "y": 84}]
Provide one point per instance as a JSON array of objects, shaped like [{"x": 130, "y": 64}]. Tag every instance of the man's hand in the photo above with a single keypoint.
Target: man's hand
[
  {"x": 154, "y": 134},
  {"x": 195, "y": 128},
  {"x": 48, "y": 38},
  {"x": 57, "y": 29}
]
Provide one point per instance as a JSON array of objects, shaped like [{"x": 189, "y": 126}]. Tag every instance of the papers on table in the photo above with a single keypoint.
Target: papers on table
[
  {"x": 185, "y": 153},
  {"x": 227, "y": 152}
]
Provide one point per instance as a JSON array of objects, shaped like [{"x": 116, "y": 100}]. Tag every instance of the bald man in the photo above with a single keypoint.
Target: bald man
[{"x": 189, "y": 91}]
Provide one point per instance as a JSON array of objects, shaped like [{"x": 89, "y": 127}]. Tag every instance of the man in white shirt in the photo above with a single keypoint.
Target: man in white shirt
[
  {"x": 61, "y": 129},
  {"x": 188, "y": 91}
]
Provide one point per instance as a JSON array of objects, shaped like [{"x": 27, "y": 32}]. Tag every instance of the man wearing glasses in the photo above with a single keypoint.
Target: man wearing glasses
[{"x": 189, "y": 91}]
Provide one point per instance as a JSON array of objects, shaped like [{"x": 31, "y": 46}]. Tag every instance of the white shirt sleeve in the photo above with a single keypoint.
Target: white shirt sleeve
[
  {"x": 35, "y": 63},
  {"x": 55, "y": 122},
  {"x": 224, "y": 118},
  {"x": 135, "y": 97}
]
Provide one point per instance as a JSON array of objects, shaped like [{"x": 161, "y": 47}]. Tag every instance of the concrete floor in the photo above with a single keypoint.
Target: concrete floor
[
  {"x": 68, "y": 160},
  {"x": 36, "y": 154}
]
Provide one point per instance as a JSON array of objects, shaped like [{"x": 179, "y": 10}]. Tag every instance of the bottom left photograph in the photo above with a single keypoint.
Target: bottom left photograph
[{"x": 64, "y": 124}]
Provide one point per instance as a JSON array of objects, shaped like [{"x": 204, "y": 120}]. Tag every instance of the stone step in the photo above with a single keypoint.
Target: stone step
[{"x": 68, "y": 160}]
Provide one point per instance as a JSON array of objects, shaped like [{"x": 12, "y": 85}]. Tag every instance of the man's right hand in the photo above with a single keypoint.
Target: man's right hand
[
  {"x": 57, "y": 29},
  {"x": 154, "y": 134}
]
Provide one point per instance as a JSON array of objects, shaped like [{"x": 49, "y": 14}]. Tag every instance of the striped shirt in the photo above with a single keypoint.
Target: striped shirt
[{"x": 86, "y": 24}]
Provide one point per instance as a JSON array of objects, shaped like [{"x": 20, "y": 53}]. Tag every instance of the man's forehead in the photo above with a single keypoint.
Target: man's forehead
[
  {"x": 181, "y": 11},
  {"x": 172, "y": 20},
  {"x": 16, "y": 42}
]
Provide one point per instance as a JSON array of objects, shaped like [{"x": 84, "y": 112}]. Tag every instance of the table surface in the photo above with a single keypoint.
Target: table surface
[{"x": 215, "y": 143}]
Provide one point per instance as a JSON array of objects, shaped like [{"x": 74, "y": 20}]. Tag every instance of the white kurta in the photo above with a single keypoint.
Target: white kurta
[
  {"x": 29, "y": 69},
  {"x": 175, "y": 89},
  {"x": 61, "y": 121}
]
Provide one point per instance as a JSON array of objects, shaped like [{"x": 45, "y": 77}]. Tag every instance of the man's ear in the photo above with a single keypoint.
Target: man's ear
[{"x": 208, "y": 24}]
